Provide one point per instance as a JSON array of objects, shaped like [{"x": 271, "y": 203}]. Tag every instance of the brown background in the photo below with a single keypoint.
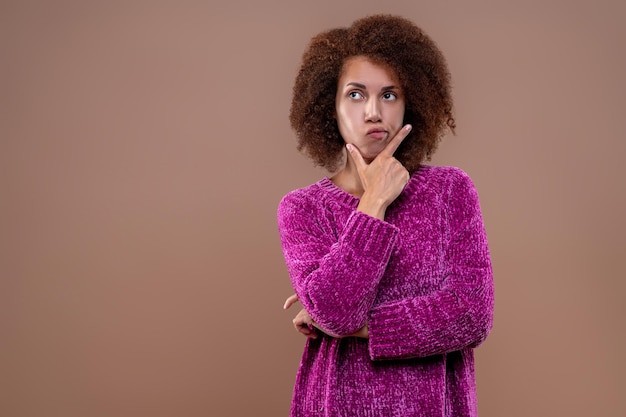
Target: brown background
[{"x": 144, "y": 148}]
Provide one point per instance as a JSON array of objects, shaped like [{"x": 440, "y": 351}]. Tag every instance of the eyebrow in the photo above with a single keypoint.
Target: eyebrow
[{"x": 363, "y": 87}]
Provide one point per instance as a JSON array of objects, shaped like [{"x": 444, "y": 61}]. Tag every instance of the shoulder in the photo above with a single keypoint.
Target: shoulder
[
  {"x": 459, "y": 192},
  {"x": 443, "y": 173},
  {"x": 303, "y": 200},
  {"x": 304, "y": 196},
  {"x": 304, "y": 210},
  {"x": 445, "y": 179}
]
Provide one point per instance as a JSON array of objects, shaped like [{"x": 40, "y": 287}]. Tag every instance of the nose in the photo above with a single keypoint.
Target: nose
[{"x": 372, "y": 111}]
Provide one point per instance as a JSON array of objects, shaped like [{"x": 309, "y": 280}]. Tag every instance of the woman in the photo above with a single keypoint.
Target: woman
[{"x": 388, "y": 256}]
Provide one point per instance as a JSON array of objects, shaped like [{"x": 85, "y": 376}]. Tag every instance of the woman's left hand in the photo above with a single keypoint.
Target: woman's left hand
[
  {"x": 305, "y": 325},
  {"x": 303, "y": 322}
]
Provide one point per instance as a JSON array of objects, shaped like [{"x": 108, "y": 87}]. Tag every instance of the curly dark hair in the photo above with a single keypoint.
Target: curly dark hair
[{"x": 392, "y": 41}]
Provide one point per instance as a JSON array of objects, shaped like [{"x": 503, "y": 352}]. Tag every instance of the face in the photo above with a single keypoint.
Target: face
[{"x": 369, "y": 105}]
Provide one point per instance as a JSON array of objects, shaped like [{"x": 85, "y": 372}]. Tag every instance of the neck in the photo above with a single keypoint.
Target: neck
[{"x": 348, "y": 179}]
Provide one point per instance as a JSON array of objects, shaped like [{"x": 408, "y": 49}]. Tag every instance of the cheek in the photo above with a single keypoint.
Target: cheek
[
  {"x": 344, "y": 119},
  {"x": 400, "y": 115}
]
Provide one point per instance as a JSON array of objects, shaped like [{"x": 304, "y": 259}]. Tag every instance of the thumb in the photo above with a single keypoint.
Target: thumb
[{"x": 356, "y": 156}]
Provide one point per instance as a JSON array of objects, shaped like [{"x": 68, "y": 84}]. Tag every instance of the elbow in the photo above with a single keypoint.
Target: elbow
[
  {"x": 349, "y": 329},
  {"x": 480, "y": 334},
  {"x": 339, "y": 324},
  {"x": 483, "y": 323},
  {"x": 482, "y": 312}
]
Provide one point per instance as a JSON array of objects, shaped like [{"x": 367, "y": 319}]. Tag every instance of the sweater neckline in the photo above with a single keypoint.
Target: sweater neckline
[{"x": 348, "y": 199}]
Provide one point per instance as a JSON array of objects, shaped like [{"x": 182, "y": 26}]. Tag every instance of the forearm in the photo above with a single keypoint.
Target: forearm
[
  {"x": 337, "y": 284},
  {"x": 455, "y": 317}
]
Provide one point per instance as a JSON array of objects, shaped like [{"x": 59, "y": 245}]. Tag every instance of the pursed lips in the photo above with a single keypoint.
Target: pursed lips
[{"x": 377, "y": 133}]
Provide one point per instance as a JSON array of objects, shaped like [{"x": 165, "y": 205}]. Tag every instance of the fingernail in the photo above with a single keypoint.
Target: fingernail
[
  {"x": 408, "y": 127},
  {"x": 349, "y": 147}
]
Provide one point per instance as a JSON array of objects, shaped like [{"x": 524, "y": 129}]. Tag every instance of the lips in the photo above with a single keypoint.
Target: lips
[{"x": 377, "y": 133}]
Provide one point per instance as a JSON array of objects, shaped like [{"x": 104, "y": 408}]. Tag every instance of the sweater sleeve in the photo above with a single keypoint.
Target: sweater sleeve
[
  {"x": 460, "y": 313},
  {"x": 335, "y": 277}
]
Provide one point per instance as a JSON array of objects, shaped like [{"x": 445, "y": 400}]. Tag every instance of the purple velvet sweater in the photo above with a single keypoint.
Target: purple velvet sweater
[{"x": 421, "y": 280}]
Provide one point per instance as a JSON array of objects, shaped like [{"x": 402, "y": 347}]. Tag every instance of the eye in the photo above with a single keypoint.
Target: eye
[
  {"x": 389, "y": 96},
  {"x": 355, "y": 95}
]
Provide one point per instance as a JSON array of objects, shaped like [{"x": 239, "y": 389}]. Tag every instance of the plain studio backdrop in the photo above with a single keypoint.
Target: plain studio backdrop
[{"x": 144, "y": 147}]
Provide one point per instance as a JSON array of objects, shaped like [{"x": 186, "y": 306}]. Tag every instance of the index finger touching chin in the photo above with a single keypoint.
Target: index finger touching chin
[{"x": 397, "y": 140}]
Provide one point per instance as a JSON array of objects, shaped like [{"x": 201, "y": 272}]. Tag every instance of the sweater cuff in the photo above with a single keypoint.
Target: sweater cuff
[
  {"x": 370, "y": 235},
  {"x": 389, "y": 336}
]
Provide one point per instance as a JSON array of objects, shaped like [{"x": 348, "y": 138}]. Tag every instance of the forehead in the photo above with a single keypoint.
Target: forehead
[{"x": 367, "y": 71}]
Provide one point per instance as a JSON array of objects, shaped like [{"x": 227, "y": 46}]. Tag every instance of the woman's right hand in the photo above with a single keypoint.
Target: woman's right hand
[{"x": 383, "y": 179}]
